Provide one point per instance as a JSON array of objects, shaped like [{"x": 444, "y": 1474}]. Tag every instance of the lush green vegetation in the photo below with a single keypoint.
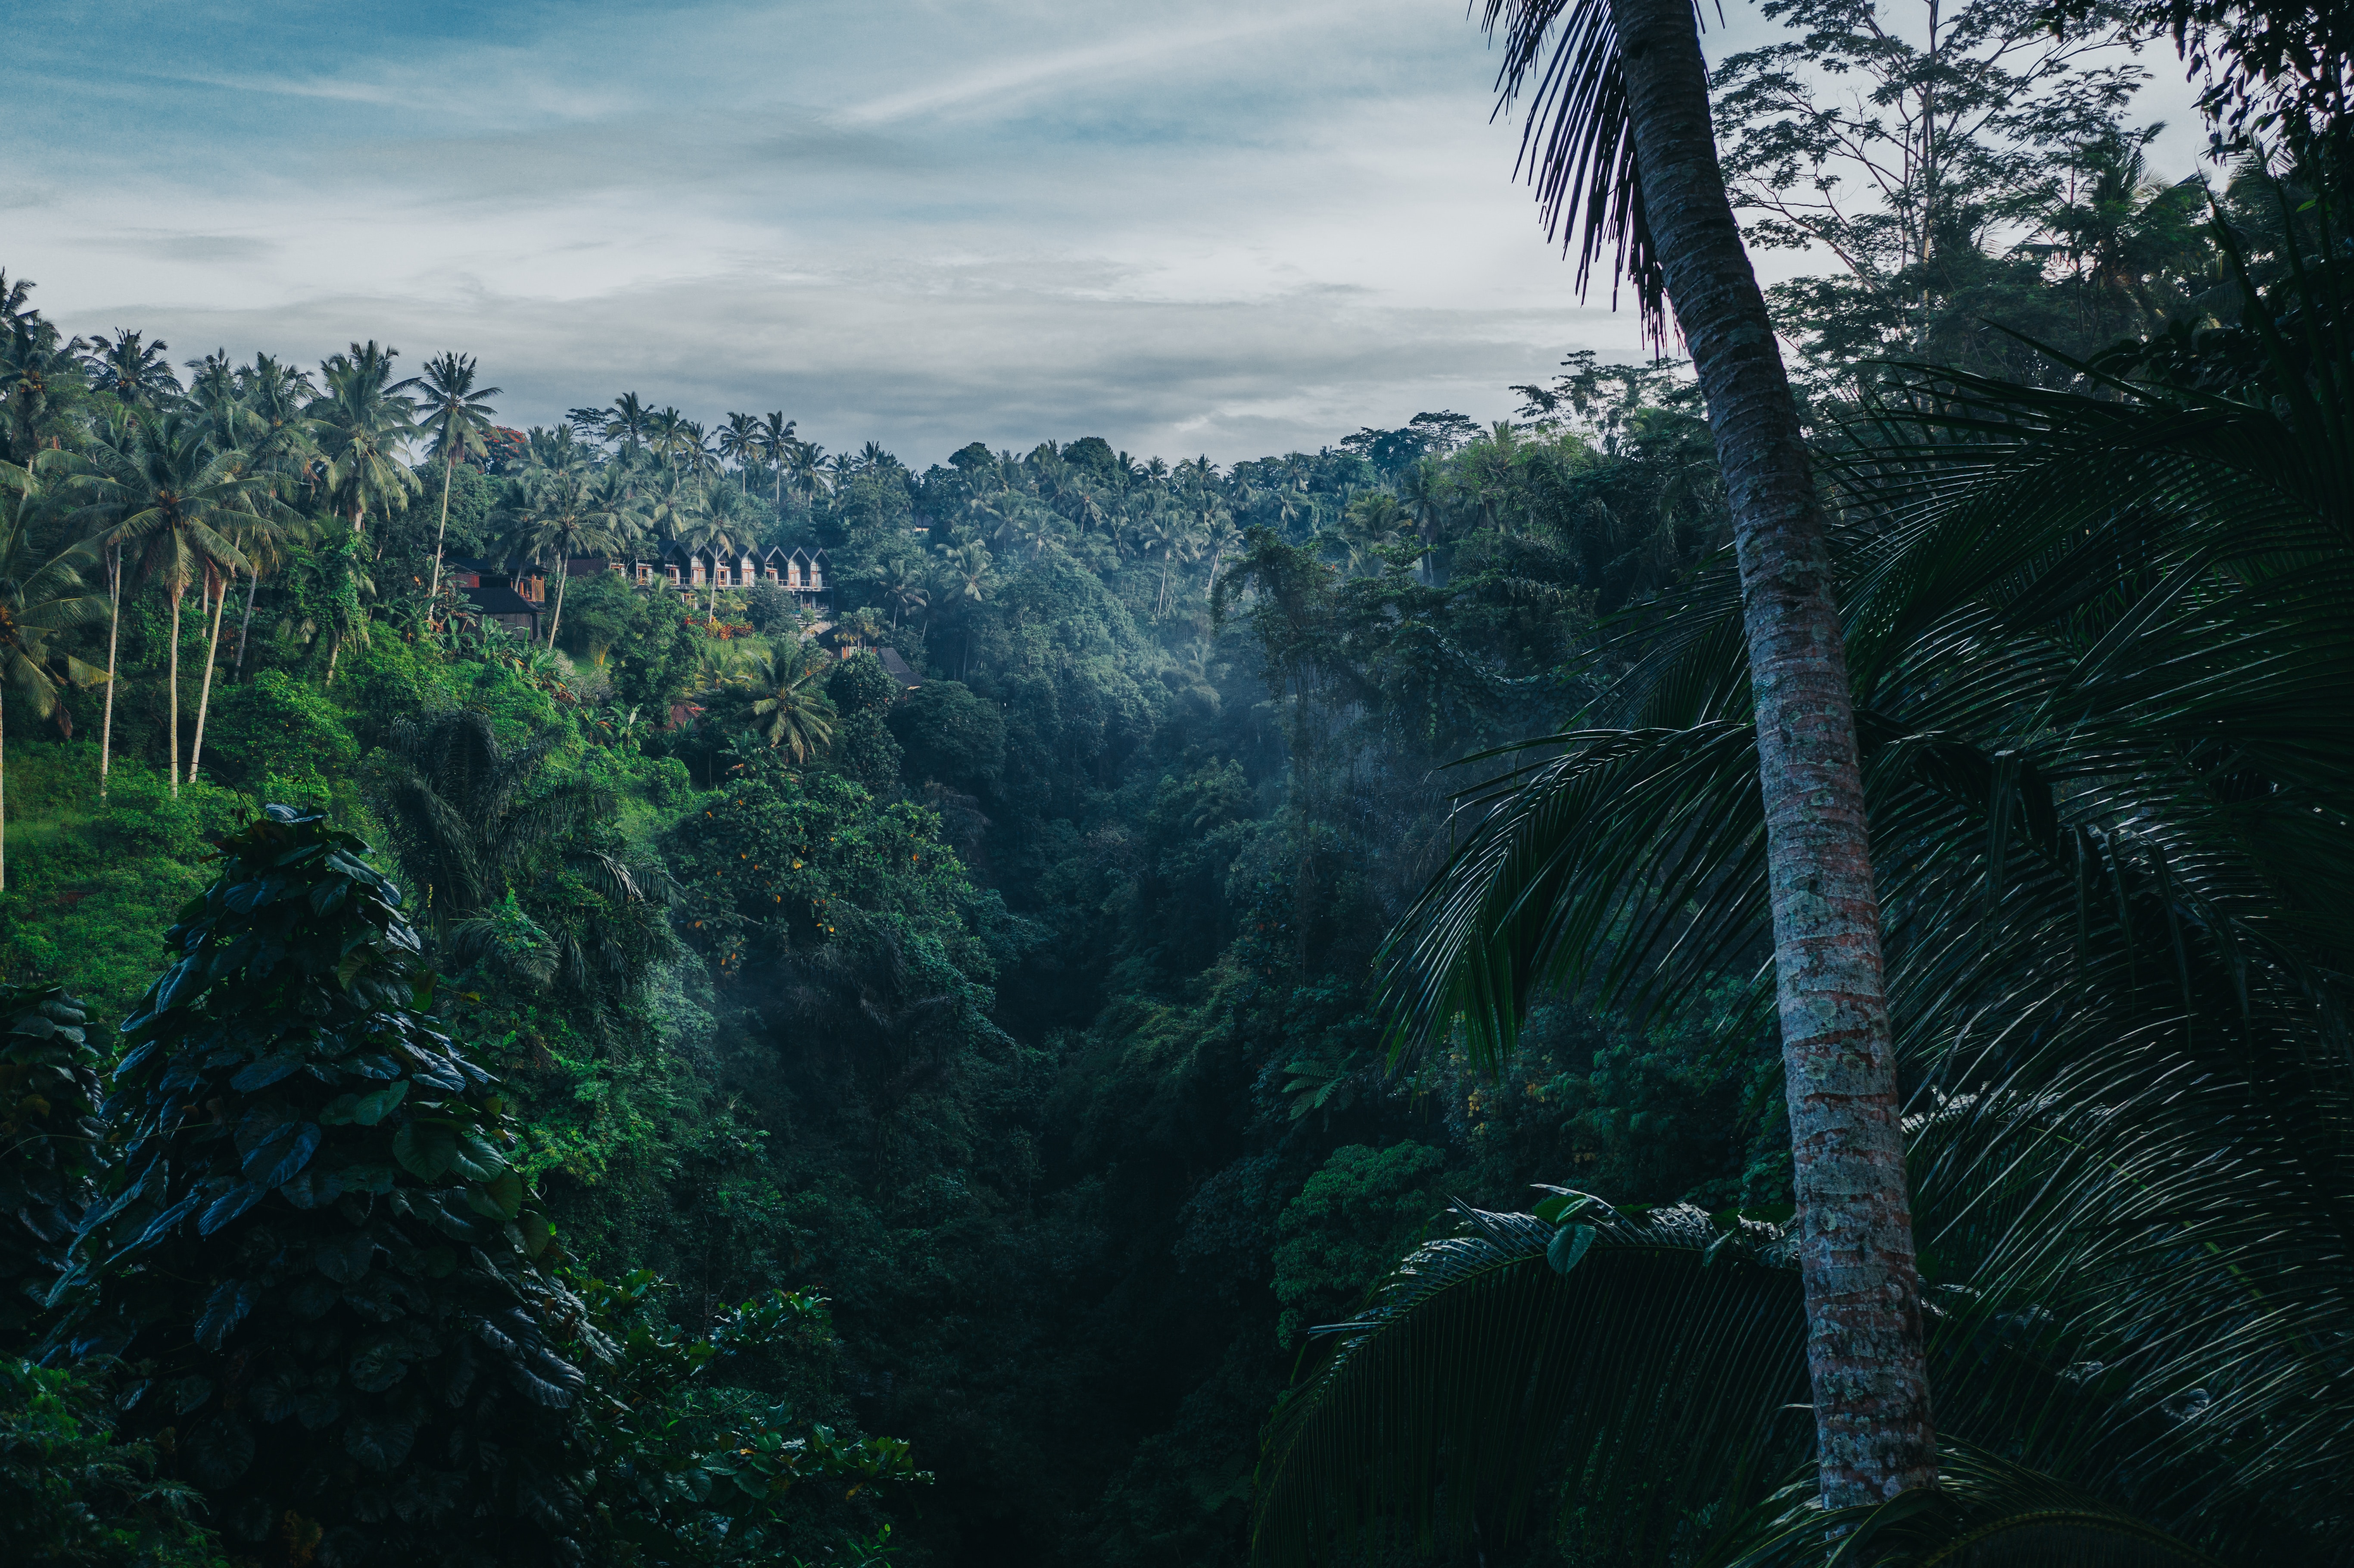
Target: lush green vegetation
[
  {"x": 1024, "y": 1018},
  {"x": 667, "y": 1093}
]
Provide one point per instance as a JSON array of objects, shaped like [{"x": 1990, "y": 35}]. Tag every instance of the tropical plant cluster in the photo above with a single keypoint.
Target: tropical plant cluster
[{"x": 670, "y": 1091}]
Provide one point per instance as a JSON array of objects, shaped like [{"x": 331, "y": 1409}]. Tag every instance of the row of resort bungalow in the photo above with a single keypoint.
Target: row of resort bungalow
[{"x": 516, "y": 596}]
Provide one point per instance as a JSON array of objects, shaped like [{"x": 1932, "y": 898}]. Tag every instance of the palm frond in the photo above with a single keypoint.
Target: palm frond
[
  {"x": 1578, "y": 146},
  {"x": 2100, "y": 647},
  {"x": 1984, "y": 1511},
  {"x": 1651, "y": 1359}
]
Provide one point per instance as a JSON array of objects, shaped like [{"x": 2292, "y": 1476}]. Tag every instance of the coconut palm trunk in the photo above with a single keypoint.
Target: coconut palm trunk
[
  {"x": 442, "y": 529},
  {"x": 179, "y": 592},
  {"x": 114, "y": 625},
  {"x": 1862, "y": 1286},
  {"x": 563, "y": 576},
  {"x": 245, "y": 626},
  {"x": 212, "y": 658}
]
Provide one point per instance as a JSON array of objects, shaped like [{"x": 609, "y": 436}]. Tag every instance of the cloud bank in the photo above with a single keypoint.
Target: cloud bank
[{"x": 1190, "y": 226}]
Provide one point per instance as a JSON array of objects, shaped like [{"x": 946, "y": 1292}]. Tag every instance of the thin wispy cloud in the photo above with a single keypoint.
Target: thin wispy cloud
[
  {"x": 1000, "y": 86},
  {"x": 1182, "y": 224}
]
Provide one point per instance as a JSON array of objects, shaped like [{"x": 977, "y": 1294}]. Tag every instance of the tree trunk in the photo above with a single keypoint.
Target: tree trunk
[
  {"x": 562, "y": 576},
  {"x": 448, "y": 471},
  {"x": 113, "y": 624},
  {"x": 205, "y": 697},
  {"x": 244, "y": 627},
  {"x": 178, "y": 592},
  {"x": 1862, "y": 1286},
  {"x": 4, "y": 795}
]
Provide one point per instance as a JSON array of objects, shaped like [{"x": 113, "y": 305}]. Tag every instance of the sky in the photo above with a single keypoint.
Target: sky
[{"x": 1220, "y": 227}]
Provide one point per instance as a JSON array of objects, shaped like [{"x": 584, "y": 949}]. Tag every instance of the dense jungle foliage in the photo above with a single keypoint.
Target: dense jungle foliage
[{"x": 669, "y": 1092}]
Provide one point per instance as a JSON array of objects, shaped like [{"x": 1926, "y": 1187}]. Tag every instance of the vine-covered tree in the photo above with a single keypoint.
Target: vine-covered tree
[{"x": 316, "y": 1249}]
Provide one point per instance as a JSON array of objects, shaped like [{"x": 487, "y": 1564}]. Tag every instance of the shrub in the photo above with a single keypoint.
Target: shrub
[
  {"x": 69, "y": 1493},
  {"x": 277, "y": 726}
]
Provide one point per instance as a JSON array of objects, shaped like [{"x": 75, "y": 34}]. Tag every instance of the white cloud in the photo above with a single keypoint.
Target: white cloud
[{"x": 1184, "y": 225}]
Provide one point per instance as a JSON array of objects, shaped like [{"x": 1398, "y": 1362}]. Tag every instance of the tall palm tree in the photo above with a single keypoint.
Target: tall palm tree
[
  {"x": 16, "y": 301},
  {"x": 775, "y": 445},
  {"x": 363, "y": 421},
  {"x": 260, "y": 526},
  {"x": 282, "y": 456},
  {"x": 793, "y": 711},
  {"x": 558, "y": 511},
  {"x": 666, "y": 433},
  {"x": 41, "y": 595},
  {"x": 739, "y": 439},
  {"x": 457, "y": 414},
  {"x": 673, "y": 509},
  {"x": 1618, "y": 140},
  {"x": 809, "y": 469},
  {"x": 2097, "y": 640},
  {"x": 1164, "y": 533},
  {"x": 215, "y": 395},
  {"x": 712, "y": 534},
  {"x": 160, "y": 495}
]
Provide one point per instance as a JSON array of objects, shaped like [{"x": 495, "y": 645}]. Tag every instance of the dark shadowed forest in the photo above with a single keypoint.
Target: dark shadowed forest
[{"x": 637, "y": 991}]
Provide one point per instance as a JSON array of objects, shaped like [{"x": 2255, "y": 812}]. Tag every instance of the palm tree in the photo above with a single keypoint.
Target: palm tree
[
  {"x": 2096, "y": 638},
  {"x": 558, "y": 512},
  {"x": 216, "y": 397},
  {"x": 1620, "y": 142},
  {"x": 1423, "y": 492},
  {"x": 740, "y": 439},
  {"x": 41, "y": 381},
  {"x": 793, "y": 711},
  {"x": 282, "y": 455},
  {"x": 459, "y": 416},
  {"x": 1373, "y": 519},
  {"x": 136, "y": 372},
  {"x": 968, "y": 567},
  {"x": 467, "y": 816},
  {"x": 160, "y": 493},
  {"x": 965, "y": 571},
  {"x": 16, "y": 301},
  {"x": 1164, "y": 533},
  {"x": 809, "y": 469},
  {"x": 629, "y": 424},
  {"x": 363, "y": 421},
  {"x": 776, "y": 446},
  {"x": 40, "y": 596},
  {"x": 666, "y": 433},
  {"x": 902, "y": 582},
  {"x": 1221, "y": 540},
  {"x": 715, "y": 538}
]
